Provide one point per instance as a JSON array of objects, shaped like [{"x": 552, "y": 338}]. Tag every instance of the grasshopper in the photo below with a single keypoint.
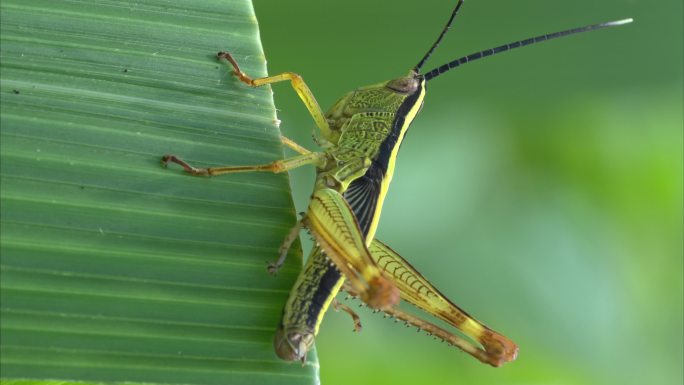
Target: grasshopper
[{"x": 360, "y": 137}]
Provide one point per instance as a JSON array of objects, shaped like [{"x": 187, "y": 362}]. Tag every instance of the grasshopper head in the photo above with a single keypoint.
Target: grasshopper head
[{"x": 292, "y": 345}]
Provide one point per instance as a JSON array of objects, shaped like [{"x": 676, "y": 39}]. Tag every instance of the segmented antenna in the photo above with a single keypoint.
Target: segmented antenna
[
  {"x": 521, "y": 43},
  {"x": 439, "y": 39}
]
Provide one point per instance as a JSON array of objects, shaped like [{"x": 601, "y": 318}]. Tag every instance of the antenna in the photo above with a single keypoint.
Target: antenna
[
  {"x": 517, "y": 44},
  {"x": 439, "y": 39}
]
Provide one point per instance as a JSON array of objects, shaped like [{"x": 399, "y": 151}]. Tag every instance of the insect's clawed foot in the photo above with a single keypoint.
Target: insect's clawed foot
[
  {"x": 227, "y": 56},
  {"x": 337, "y": 305},
  {"x": 166, "y": 159},
  {"x": 273, "y": 268},
  {"x": 236, "y": 68}
]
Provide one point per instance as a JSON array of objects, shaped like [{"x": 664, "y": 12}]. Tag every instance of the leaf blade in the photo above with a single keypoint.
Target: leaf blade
[{"x": 114, "y": 269}]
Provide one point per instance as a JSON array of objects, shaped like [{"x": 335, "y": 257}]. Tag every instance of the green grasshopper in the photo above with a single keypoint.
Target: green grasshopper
[{"x": 361, "y": 135}]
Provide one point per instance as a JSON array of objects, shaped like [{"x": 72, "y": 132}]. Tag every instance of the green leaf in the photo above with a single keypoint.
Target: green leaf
[{"x": 115, "y": 269}]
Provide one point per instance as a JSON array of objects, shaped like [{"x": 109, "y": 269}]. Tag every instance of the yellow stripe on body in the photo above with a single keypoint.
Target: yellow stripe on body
[
  {"x": 384, "y": 186},
  {"x": 324, "y": 307}
]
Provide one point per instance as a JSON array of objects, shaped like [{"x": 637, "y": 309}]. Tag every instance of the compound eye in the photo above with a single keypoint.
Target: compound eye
[{"x": 405, "y": 85}]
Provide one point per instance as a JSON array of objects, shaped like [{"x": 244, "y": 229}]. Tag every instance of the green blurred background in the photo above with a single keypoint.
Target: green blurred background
[{"x": 541, "y": 189}]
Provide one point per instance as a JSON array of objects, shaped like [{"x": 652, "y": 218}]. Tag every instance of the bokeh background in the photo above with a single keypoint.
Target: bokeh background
[{"x": 541, "y": 189}]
